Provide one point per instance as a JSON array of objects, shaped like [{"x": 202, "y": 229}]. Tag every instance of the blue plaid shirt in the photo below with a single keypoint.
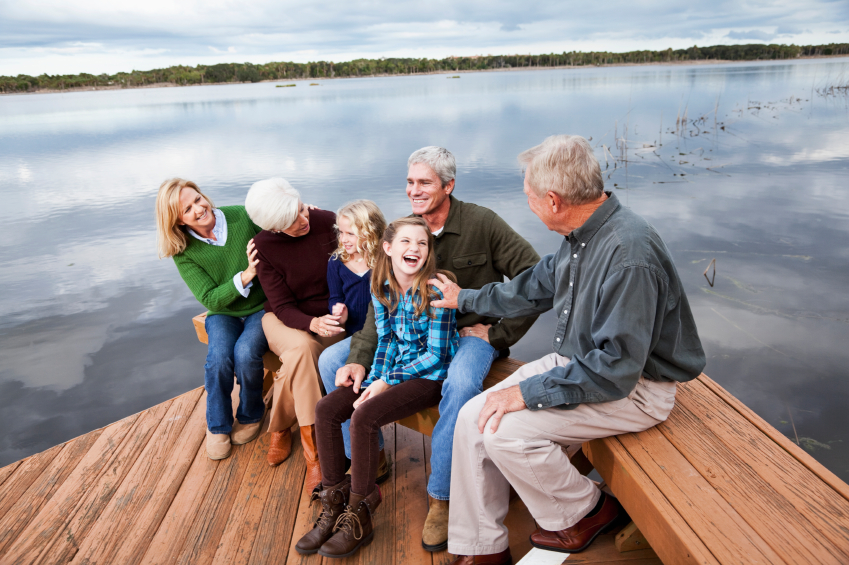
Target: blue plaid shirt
[{"x": 411, "y": 347}]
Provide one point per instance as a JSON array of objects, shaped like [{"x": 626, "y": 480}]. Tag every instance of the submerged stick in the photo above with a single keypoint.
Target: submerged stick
[{"x": 711, "y": 280}]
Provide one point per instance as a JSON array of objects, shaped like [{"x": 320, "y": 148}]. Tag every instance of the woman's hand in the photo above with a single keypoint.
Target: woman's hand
[
  {"x": 340, "y": 310},
  {"x": 478, "y": 330},
  {"x": 373, "y": 390},
  {"x": 326, "y": 326},
  {"x": 249, "y": 273}
]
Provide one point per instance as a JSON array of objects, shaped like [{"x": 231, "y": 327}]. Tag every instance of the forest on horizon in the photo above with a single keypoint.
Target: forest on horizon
[{"x": 182, "y": 75}]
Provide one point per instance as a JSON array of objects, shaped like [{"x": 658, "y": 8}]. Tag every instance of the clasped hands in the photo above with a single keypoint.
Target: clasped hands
[{"x": 353, "y": 375}]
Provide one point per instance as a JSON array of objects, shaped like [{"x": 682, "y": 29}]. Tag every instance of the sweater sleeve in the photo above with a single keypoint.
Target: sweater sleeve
[
  {"x": 282, "y": 300},
  {"x": 212, "y": 296},
  {"x": 364, "y": 342},
  {"x": 334, "y": 283}
]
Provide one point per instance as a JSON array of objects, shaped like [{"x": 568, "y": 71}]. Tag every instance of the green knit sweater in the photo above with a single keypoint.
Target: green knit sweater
[{"x": 209, "y": 269}]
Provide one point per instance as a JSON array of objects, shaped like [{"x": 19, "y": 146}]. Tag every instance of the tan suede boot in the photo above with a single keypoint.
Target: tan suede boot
[
  {"x": 313, "y": 477},
  {"x": 355, "y": 527},
  {"x": 244, "y": 433},
  {"x": 280, "y": 447},
  {"x": 333, "y": 501},
  {"x": 217, "y": 446},
  {"x": 435, "y": 532}
]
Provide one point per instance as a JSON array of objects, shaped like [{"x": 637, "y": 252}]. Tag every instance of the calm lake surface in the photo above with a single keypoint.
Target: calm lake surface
[{"x": 94, "y": 327}]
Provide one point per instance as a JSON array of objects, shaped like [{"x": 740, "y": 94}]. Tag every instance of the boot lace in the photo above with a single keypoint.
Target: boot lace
[{"x": 350, "y": 522}]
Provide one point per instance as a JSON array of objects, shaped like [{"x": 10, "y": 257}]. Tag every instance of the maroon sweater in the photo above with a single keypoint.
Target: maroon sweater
[{"x": 293, "y": 270}]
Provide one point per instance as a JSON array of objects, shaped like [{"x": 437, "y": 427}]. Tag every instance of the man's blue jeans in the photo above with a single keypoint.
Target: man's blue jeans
[
  {"x": 465, "y": 378},
  {"x": 235, "y": 345}
]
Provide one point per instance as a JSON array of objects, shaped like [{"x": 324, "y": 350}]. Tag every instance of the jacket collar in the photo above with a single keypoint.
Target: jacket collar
[
  {"x": 586, "y": 232},
  {"x": 454, "y": 219}
]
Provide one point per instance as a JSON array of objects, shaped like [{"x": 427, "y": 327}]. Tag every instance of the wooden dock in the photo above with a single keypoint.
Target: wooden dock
[{"x": 142, "y": 491}]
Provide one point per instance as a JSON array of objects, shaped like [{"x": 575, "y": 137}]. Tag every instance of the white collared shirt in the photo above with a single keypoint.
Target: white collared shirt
[{"x": 219, "y": 232}]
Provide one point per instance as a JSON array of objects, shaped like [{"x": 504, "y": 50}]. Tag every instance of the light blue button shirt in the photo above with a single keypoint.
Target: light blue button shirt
[{"x": 220, "y": 234}]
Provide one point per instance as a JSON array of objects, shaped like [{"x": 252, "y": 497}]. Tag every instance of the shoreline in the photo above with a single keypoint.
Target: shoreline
[{"x": 460, "y": 72}]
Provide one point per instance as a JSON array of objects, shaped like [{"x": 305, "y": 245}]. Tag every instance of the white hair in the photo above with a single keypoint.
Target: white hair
[
  {"x": 273, "y": 204},
  {"x": 439, "y": 159},
  {"x": 565, "y": 165}
]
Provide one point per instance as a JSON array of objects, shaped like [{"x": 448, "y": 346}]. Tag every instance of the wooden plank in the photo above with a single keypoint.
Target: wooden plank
[
  {"x": 668, "y": 533},
  {"x": 440, "y": 557},
  {"x": 776, "y": 494},
  {"x": 199, "y": 323},
  {"x": 211, "y": 518},
  {"x": 43, "y": 488},
  {"x": 45, "y": 529},
  {"x": 237, "y": 541},
  {"x": 21, "y": 478},
  {"x": 124, "y": 527},
  {"x": 274, "y": 535},
  {"x": 631, "y": 539},
  {"x": 170, "y": 538},
  {"x": 780, "y": 439},
  {"x": 8, "y": 470},
  {"x": 422, "y": 421},
  {"x": 306, "y": 516},
  {"x": 411, "y": 500},
  {"x": 603, "y": 551},
  {"x": 720, "y": 527}
]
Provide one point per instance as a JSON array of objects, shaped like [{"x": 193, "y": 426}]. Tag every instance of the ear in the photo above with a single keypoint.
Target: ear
[
  {"x": 386, "y": 248},
  {"x": 181, "y": 223},
  {"x": 554, "y": 201},
  {"x": 449, "y": 187}
]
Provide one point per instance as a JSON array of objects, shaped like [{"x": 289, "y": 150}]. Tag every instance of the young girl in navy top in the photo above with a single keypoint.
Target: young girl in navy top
[
  {"x": 360, "y": 226},
  {"x": 416, "y": 343}
]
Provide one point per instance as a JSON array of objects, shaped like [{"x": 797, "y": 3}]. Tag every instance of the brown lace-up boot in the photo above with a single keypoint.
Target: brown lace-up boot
[
  {"x": 333, "y": 501},
  {"x": 311, "y": 455},
  {"x": 279, "y": 448},
  {"x": 355, "y": 527}
]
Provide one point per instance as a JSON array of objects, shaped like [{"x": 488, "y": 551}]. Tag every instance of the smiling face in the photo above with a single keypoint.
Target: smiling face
[
  {"x": 408, "y": 253},
  {"x": 347, "y": 238},
  {"x": 301, "y": 225},
  {"x": 195, "y": 211},
  {"x": 425, "y": 189}
]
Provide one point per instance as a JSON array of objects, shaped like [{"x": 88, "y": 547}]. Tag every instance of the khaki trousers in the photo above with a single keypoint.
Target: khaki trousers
[
  {"x": 296, "y": 384},
  {"x": 526, "y": 452}
]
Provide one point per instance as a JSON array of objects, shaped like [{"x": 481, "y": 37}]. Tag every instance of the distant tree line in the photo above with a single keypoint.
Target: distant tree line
[{"x": 249, "y": 72}]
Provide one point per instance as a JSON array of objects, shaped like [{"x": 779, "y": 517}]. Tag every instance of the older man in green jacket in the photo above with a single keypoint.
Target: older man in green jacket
[{"x": 479, "y": 247}]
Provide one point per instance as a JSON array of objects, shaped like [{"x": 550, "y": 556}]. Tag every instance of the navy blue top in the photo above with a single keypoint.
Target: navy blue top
[{"x": 350, "y": 289}]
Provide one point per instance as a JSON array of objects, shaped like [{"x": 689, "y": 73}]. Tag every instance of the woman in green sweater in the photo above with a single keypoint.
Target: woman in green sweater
[{"x": 214, "y": 253}]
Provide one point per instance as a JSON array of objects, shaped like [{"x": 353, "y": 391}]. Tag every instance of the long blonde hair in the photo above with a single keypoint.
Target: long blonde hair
[
  {"x": 422, "y": 292},
  {"x": 367, "y": 223},
  {"x": 170, "y": 237}
]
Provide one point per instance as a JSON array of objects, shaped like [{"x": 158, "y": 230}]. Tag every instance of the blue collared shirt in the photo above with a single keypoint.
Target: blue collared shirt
[
  {"x": 410, "y": 346},
  {"x": 220, "y": 233}
]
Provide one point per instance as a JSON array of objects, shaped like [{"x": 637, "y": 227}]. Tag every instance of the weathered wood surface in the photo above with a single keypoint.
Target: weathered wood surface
[
  {"x": 143, "y": 491},
  {"x": 717, "y": 484}
]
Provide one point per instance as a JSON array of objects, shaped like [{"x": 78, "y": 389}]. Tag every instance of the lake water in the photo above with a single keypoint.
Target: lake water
[{"x": 94, "y": 327}]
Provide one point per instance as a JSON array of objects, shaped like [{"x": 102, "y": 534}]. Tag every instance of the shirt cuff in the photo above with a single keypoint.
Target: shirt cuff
[
  {"x": 243, "y": 290},
  {"x": 466, "y": 296},
  {"x": 533, "y": 393}
]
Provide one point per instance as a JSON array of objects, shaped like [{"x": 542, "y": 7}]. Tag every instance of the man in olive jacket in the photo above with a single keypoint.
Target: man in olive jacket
[{"x": 479, "y": 247}]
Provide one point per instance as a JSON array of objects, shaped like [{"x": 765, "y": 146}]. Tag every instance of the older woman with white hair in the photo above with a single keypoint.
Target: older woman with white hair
[{"x": 293, "y": 250}]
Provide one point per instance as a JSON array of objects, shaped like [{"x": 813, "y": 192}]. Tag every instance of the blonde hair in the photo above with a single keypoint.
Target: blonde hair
[
  {"x": 170, "y": 237},
  {"x": 273, "y": 204},
  {"x": 367, "y": 223},
  {"x": 565, "y": 165},
  {"x": 422, "y": 292}
]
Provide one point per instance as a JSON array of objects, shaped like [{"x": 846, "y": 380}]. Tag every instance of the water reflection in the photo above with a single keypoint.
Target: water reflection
[{"x": 95, "y": 327}]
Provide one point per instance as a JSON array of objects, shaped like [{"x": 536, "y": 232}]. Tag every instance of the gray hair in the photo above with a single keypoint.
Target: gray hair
[
  {"x": 565, "y": 165},
  {"x": 439, "y": 159},
  {"x": 273, "y": 204}
]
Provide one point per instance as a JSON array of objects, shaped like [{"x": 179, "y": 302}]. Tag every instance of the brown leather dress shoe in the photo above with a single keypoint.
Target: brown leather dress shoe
[
  {"x": 503, "y": 558},
  {"x": 581, "y": 535},
  {"x": 313, "y": 477},
  {"x": 280, "y": 447}
]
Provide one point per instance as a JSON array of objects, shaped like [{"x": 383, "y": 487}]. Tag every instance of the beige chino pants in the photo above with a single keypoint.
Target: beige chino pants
[
  {"x": 525, "y": 452},
  {"x": 296, "y": 384}
]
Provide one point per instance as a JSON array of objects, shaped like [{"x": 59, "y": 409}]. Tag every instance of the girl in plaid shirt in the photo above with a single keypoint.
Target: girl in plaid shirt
[{"x": 416, "y": 343}]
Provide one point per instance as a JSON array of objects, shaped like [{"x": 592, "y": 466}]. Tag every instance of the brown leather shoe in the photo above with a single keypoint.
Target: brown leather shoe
[
  {"x": 280, "y": 447},
  {"x": 581, "y": 535},
  {"x": 354, "y": 528},
  {"x": 313, "y": 477},
  {"x": 333, "y": 501},
  {"x": 503, "y": 558}
]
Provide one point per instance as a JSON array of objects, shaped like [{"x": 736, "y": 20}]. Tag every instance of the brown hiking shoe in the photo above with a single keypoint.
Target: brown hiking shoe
[
  {"x": 333, "y": 501},
  {"x": 435, "y": 531},
  {"x": 279, "y": 448},
  {"x": 354, "y": 528}
]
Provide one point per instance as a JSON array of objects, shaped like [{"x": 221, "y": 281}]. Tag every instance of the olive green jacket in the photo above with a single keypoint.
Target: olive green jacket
[{"x": 479, "y": 248}]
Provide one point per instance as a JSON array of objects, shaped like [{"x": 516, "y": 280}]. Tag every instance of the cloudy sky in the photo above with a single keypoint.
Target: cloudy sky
[{"x": 96, "y": 36}]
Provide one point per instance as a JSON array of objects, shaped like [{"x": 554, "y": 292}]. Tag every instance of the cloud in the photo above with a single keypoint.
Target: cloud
[{"x": 751, "y": 34}]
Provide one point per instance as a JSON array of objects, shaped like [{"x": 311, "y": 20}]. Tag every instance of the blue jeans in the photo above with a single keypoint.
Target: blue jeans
[
  {"x": 235, "y": 345},
  {"x": 332, "y": 359},
  {"x": 465, "y": 378}
]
